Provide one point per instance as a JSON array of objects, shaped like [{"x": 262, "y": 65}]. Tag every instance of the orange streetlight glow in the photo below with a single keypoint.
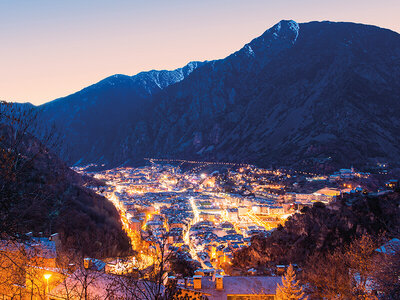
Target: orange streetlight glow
[{"x": 47, "y": 277}]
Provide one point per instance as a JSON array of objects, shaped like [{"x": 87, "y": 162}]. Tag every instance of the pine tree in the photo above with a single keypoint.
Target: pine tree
[{"x": 290, "y": 289}]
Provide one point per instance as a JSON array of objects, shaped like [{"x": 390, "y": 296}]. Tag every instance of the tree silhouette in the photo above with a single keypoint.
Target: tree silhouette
[
  {"x": 346, "y": 273},
  {"x": 290, "y": 289}
]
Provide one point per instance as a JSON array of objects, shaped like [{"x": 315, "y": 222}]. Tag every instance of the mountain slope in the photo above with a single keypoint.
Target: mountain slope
[
  {"x": 299, "y": 94},
  {"x": 40, "y": 193},
  {"x": 92, "y": 121}
]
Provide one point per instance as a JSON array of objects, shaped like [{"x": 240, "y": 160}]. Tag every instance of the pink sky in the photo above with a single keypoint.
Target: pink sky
[{"x": 50, "y": 49}]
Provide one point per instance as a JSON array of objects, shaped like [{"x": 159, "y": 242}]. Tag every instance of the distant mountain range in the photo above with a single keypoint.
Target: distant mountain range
[{"x": 316, "y": 94}]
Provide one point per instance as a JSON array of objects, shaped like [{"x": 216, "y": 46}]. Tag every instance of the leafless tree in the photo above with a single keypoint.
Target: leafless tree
[
  {"x": 152, "y": 283},
  {"x": 22, "y": 266},
  {"x": 18, "y": 149},
  {"x": 386, "y": 272},
  {"x": 343, "y": 274}
]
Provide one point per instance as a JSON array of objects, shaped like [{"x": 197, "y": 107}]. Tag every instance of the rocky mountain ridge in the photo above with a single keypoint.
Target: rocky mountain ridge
[{"x": 315, "y": 95}]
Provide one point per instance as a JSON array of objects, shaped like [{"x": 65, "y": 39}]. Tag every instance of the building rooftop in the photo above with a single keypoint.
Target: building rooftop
[
  {"x": 391, "y": 247},
  {"x": 240, "y": 285},
  {"x": 36, "y": 246}
]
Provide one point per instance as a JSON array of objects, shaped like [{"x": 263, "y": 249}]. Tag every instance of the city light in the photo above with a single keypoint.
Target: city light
[
  {"x": 47, "y": 277},
  {"x": 198, "y": 209}
]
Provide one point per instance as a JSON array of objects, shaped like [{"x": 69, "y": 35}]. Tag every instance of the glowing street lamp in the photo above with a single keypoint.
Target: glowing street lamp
[{"x": 47, "y": 277}]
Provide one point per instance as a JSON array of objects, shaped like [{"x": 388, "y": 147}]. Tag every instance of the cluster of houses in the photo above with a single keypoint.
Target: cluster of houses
[
  {"x": 36, "y": 269},
  {"x": 155, "y": 204}
]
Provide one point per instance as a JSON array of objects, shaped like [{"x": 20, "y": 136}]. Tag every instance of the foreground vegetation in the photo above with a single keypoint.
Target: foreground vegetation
[{"x": 335, "y": 247}]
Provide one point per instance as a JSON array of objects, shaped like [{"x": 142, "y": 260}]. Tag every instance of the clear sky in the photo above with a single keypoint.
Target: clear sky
[{"x": 52, "y": 48}]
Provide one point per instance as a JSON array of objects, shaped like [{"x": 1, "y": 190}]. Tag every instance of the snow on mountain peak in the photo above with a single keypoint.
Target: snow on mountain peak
[{"x": 286, "y": 29}]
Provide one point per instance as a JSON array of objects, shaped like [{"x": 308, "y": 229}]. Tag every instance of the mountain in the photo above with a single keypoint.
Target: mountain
[
  {"x": 93, "y": 121},
  {"x": 316, "y": 94},
  {"x": 41, "y": 194}
]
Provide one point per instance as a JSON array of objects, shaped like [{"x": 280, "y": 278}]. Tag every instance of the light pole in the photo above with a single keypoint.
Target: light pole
[{"x": 47, "y": 277}]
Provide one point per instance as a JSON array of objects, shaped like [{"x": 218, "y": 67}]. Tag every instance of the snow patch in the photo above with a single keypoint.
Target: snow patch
[
  {"x": 249, "y": 50},
  {"x": 293, "y": 26},
  {"x": 286, "y": 29}
]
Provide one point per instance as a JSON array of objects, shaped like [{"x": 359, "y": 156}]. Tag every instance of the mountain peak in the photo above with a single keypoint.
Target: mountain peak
[
  {"x": 285, "y": 29},
  {"x": 283, "y": 33},
  {"x": 266, "y": 103}
]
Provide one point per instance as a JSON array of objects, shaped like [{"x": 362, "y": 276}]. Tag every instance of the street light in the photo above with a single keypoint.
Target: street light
[{"x": 47, "y": 277}]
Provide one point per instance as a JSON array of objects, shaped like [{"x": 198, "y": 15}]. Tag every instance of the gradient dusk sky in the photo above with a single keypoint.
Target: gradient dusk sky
[{"x": 52, "y": 48}]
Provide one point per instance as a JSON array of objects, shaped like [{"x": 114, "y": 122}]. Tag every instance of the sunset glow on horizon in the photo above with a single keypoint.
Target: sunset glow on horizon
[{"x": 50, "y": 49}]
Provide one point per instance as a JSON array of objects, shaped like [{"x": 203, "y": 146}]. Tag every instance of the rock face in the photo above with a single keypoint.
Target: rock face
[{"x": 300, "y": 94}]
